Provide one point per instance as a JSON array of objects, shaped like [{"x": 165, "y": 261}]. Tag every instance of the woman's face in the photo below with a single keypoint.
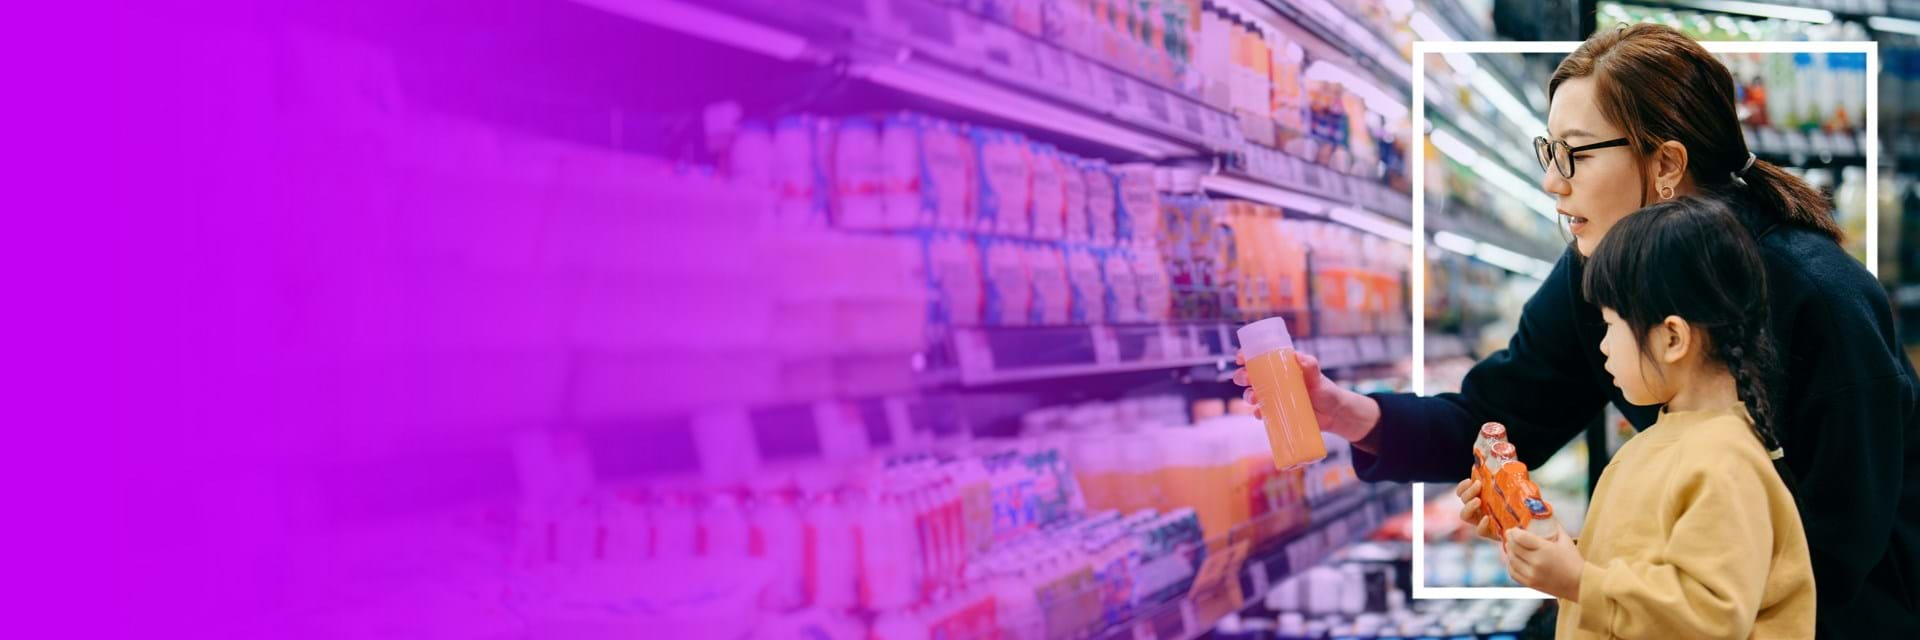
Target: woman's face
[{"x": 1606, "y": 185}]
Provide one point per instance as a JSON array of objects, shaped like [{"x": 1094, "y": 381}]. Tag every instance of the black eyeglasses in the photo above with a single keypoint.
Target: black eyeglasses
[{"x": 1556, "y": 153}]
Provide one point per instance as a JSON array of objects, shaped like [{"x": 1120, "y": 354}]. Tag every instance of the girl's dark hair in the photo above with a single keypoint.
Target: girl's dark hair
[
  {"x": 1657, "y": 84},
  {"x": 1690, "y": 257}
]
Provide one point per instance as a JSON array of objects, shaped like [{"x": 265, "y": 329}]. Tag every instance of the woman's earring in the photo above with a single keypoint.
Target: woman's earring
[{"x": 1666, "y": 193}]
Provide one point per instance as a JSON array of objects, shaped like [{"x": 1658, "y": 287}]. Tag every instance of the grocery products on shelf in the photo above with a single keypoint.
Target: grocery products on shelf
[
  {"x": 1096, "y": 512},
  {"x": 1363, "y": 593},
  {"x": 1016, "y": 233}
]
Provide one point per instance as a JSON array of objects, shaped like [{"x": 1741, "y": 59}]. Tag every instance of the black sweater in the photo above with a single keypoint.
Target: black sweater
[{"x": 1849, "y": 406}]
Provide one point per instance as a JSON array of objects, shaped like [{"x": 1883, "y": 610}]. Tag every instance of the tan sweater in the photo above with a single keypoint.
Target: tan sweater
[{"x": 1692, "y": 534}]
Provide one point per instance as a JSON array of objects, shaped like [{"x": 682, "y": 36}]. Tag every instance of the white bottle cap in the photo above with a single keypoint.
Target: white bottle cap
[{"x": 1263, "y": 336}]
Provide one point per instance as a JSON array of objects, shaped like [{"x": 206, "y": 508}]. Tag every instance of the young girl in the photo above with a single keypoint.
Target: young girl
[{"x": 1692, "y": 533}]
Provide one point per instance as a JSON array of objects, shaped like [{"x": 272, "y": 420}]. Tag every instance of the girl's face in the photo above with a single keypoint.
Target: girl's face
[
  {"x": 1606, "y": 184},
  {"x": 1643, "y": 382}
]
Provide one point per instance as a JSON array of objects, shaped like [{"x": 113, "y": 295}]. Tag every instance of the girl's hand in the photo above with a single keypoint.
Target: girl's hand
[
  {"x": 1550, "y": 566},
  {"x": 1471, "y": 511}
]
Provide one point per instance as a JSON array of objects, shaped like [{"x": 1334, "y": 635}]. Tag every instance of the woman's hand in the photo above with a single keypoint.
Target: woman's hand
[
  {"x": 1474, "y": 513},
  {"x": 1550, "y": 566},
  {"x": 1339, "y": 410}
]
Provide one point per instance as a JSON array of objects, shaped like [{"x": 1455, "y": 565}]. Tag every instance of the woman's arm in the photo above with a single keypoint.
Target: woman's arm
[{"x": 1542, "y": 387}]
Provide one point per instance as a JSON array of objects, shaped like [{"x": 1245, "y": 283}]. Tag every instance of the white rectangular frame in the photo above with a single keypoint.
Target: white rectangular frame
[{"x": 1424, "y": 48}]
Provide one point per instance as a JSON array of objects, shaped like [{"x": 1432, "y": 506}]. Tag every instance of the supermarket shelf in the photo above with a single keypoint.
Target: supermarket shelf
[
  {"x": 1482, "y": 137},
  {"x": 1006, "y": 355},
  {"x": 1506, "y": 69},
  {"x": 1347, "y": 517},
  {"x": 1461, "y": 218},
  {"x": 1326, "y": 21},
  {"x": 1907, "y": 296},
  {"x": 1273, "y": 177},
  {"x": 1802, "y": 148},
  {"x": 1742, "y": 9},
  {"x": 1002, "y": 355},
  {"x": 925, "y": 49},
  {"x": 1341, "y": 352},
  {"x": 1442, "y": 346}
]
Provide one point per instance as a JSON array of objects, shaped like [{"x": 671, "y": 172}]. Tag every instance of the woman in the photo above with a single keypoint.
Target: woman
[{"x": 1643, "y": 114}]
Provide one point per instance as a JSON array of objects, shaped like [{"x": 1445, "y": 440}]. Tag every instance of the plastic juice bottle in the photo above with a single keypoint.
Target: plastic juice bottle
[
  {"x": 1279, "y": 382},
  {"x": 1094, "y": 463},
  {"x": 1512, "y": 490},
  {"x": 1138, "y": 485},
  {"x": 1193, "y": 477},
  {"x": 1541, "y": 523},
  {"x": 1490, "y": 434}
]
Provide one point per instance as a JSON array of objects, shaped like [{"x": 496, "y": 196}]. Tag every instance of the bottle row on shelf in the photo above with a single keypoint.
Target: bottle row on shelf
[
  {"x": 1019, "y": 234},
  {"x": 1464, "y": 294},
  {"x": 1211, "y": 71},
  {"x": 1230, "y": 59},
  {"x": 1360, "y": 595},
  {"x": 840, "y": 304},
  {"x": 1097, "y": 513}
]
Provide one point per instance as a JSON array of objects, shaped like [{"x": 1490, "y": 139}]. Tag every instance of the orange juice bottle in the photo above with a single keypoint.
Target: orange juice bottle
[
  {"x": 1491, "y": 433},
  {"x": 1514, "y": 493},
  {"x": 1292, "y": 431}
]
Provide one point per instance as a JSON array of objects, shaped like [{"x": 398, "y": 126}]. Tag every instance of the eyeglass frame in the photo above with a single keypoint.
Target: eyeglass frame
[{"x": 1555, "y": 159}]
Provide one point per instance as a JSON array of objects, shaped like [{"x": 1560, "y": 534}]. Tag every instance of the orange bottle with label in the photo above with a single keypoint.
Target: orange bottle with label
[{"x": 1508, "y": 497}]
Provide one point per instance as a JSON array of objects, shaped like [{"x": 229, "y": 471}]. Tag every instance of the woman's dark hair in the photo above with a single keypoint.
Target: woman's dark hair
[
  {"x": 1657, "y": 84},
  {"x": 1690, "y": 257}
]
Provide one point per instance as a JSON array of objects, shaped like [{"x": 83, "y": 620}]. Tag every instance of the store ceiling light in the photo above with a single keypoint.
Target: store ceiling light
[
  {"x": 1758, "y": 10},
  {"x": 1495, "y": 173},
  {"x": 707, "y": 23},
  {"x": 1385, "y": 103},
  {"x": 1456, "y": 243},
  {"x": 1373, "y": 223},
  {"x": 1512, "y": 261},
  {"x": 1445, "y": 141},
  {"x": 1426, "y": 29},
  {"x": 1265, "y": 193},
  {"x": 972, "y": 93},
  {"x": 1506, "y": 103},
  {"x": 1894, "y": 25}
]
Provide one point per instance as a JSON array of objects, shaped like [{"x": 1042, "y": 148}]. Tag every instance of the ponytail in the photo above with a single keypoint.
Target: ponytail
[
  {"x": 1658, "y": 85},
  {"x": 1772, "y": 189}
]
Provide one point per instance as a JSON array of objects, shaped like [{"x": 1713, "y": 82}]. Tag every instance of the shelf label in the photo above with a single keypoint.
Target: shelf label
[
  {"x": 1190, "y": 120},
  {"x": 1310, "y": 176},
  {"x": 1122, "y": 92},
  {"x": 1797, "y": 143},
  {"x": 1336, "y": 352},
  {"x": 1157, "y": 105},
  {"x": 1771, "y": 141},
  {"x": 1106, "y": 346},
  {"x": 970, "y": 348},
  {"x": 1373, "y": 350},
  {"x": 1215, "y": 591},
  {"x": 1171, "y": 346},
  {"x": 1100, "y": 84}
]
